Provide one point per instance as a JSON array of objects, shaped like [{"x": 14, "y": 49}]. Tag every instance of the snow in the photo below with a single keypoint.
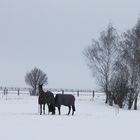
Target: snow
[{"x": 93, "y": 120}]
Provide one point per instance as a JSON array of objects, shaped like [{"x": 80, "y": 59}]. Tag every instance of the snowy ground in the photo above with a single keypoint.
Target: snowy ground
[{"x": 93, "y": 120}]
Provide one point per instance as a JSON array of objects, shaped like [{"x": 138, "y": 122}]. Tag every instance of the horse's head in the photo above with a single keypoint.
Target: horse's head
[
  {"x": 40, "y": 85},
  {"x": 51, "y": 108},
  {"x": 40, "y": 89}
]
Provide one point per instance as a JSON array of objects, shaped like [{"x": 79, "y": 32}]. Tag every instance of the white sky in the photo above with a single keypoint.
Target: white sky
[{"x": 51, "y": 35}]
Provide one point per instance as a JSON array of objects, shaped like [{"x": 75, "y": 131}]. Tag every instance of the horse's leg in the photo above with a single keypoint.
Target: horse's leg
[
  {"x": 48, "y": 108},
  {"x": 44, "y": 108},
  {"x": 69, "y": 110},
  {"x": 59, "y": 110},
  {"x": 52, "y": 108},
  {"x": 40, "y": 109},
  {"x": 73, "y": 109},
  {"x": 53, "y": 113}
]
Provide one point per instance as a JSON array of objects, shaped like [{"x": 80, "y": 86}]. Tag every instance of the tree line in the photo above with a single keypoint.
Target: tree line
[{"x": 114, "y": 60}]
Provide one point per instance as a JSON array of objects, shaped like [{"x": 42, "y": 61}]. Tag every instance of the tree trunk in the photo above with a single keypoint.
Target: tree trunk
[
  {"x": 135, "y": 102},
  {"x": 106, "y": 92},
  {"x": 33, "y": 92},
  {"x": 106, "y": 101}
]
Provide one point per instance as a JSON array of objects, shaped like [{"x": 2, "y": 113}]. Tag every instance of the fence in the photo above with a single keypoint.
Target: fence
[{"x": 18, "y": 91}]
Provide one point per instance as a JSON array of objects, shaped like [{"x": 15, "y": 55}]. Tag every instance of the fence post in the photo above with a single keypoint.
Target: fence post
[
  {"x": 18, "y": 91},
  {"x": 93, "y": 94},
  {"x": 62, "y": 91},
  {"x": 4, "y": 91},
  {"x": 78, "y": 93}
]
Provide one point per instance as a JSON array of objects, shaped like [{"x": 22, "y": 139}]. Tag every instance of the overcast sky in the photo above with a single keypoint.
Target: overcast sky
[{"x": 51, "y": 35}]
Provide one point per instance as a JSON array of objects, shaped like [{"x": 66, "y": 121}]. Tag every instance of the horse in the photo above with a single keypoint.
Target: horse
[
  {"x": 66, "y": 100},
  {"x": 46, "y": 98}
]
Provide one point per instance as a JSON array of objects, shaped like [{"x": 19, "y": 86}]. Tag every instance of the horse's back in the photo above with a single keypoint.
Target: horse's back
[
  {"x": 68, "y": 99},
  {"x": 64, "y": 99},
  {"x": 58, "y": 100}
]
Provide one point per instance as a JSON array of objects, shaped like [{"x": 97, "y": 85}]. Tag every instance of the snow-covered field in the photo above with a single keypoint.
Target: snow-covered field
[{"x": 93, "y": 120}]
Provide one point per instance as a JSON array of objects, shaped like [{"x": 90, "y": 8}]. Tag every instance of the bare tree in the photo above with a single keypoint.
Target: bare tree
[
  {"x": 101, "y": 56},
  {"x": 131, "y": 53},
  {"x": 119, "y": 83},
  {"x": 36, "y": 77}
]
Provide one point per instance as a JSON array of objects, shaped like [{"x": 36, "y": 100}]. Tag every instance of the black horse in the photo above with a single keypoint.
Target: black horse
[
  {"x": 46, "y": 98},
  {"x": 66, "y": 100}
]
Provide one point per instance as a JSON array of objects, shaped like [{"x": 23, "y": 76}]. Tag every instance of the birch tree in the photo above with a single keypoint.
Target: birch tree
[{"x": 101, "y": 55}]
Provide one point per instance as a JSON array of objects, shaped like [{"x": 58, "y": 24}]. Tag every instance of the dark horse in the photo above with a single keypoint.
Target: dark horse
[
  {"x": 66, "y": 100},
  {"x": 46, "y": 98}
]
